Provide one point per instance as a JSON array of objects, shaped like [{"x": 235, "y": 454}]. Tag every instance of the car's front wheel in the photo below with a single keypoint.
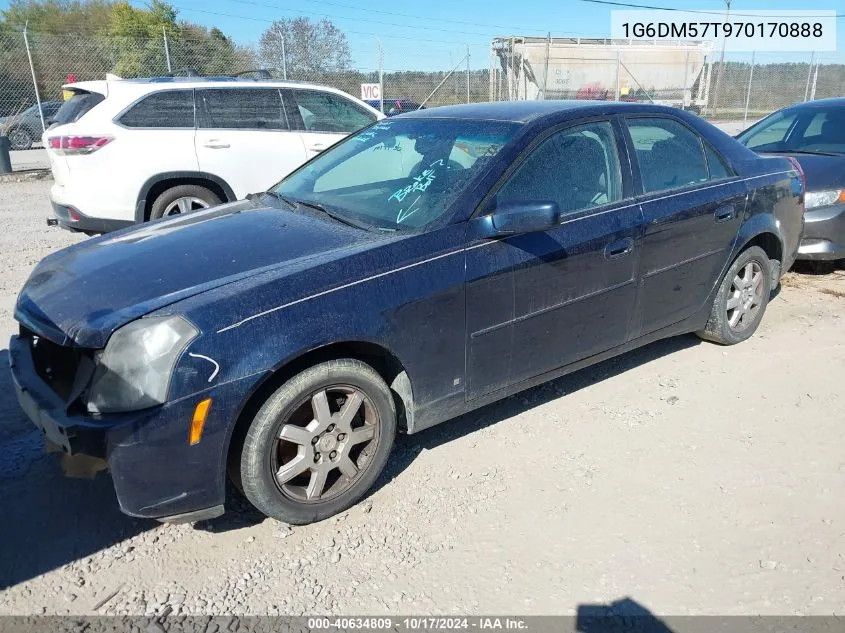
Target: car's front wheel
[
  {"x": 19, "y": 139},
  {"x": 319, "y": 442},
  {"x": 741, "y": 299}
]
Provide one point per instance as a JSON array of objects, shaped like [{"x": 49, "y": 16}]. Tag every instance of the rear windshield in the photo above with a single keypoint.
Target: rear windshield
[{"x": 78, "y": 105}]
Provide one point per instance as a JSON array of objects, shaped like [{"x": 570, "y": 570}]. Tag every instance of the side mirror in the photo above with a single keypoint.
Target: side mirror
[{"x": 522, "y": 216}]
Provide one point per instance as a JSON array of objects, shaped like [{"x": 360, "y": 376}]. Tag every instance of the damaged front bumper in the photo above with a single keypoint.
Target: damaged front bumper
[{"x": 157, "y": 473}]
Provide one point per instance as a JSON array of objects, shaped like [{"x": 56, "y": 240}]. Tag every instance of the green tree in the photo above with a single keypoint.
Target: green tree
[{"x": 310, "y": 48}]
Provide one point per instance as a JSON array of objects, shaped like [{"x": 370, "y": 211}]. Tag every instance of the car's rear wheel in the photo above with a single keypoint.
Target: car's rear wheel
[
  {"x": 741, "y": 299},
  {"x": 182, "y": 199},
  {"x": 19, "y": 138},
  {"x": 319, "y": 442}
]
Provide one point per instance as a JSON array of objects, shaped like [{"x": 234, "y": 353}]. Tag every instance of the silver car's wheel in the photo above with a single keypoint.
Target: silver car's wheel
[
  {"x": 325, "y": 444},
  {"x": 185, "y": 204},
  {"x": 745, "y": 297}
]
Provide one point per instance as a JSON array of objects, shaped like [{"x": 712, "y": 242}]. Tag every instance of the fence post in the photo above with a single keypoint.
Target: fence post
[
  {"x": 380, "y": 76},
  {"x": 467, "y": 73},
  {"x": 617, "y": 92},
  {"x": 748, "y": 92},
  {"x": 809, "y": 75},
  {"x": 815, "y": 80},
  {"x": 34, "y": 82},
  {"x": 546, "y": 72},
  {"x": 284, "y": 58},
  {"x": 166, "y": 49}
]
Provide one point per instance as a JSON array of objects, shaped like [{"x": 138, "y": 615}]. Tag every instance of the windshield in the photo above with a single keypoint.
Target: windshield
[
  {"x": 805, "y": 130},
  {"x": 399, "y": 174}
]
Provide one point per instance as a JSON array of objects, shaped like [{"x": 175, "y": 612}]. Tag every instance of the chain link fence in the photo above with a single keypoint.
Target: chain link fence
[
  {"x": 684, "y": 74},
  {"x": 44, "y": 62}
]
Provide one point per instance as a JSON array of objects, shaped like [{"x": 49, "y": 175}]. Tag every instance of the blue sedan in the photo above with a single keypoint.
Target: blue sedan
[{"x": 427, "y": 265}]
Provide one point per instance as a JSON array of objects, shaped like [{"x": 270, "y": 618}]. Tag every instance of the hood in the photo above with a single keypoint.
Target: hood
[
  {"x": 85, "y": 292},
  {"x": 822, "y": 172}
]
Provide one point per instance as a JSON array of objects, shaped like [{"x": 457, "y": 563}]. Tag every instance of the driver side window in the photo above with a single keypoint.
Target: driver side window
[{"x": 577, "y": 167}]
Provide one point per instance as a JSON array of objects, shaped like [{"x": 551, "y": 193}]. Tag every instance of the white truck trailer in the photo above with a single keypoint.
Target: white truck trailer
[{"x": 673, "y": 73}]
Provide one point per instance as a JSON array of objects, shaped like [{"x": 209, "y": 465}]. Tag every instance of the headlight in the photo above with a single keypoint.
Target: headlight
[
  {"x": 816, "y": 199},
  {"x": 134, "y": 370}
]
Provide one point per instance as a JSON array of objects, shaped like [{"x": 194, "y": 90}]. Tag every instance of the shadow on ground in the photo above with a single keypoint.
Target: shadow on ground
[
  {"x": 621, "y": 615},
  {"x": 47, "y": 519},
  {"x": 409, "y": 446}
]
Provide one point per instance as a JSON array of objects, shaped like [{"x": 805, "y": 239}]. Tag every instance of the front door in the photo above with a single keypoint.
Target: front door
[{"x": 570, "y": 291}]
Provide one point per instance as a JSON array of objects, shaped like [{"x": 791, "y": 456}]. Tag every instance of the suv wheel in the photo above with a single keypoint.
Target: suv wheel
[
  {"x": 182, "y": 199},
  {"x": 741, "y": 300},
  {"x": 319, "y": 442},
  {"x": 19, "y": 138}
]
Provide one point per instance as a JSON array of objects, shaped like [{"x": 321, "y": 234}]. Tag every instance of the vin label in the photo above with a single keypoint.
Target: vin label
[{"x": 742, "y": 30}]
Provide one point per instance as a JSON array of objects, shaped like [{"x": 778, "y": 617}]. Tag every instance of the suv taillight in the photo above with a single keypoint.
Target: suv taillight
[{"x": 77, "y": 145}]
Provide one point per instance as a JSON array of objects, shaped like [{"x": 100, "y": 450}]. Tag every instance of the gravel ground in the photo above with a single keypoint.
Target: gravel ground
[{"x": 690, "y": 478}]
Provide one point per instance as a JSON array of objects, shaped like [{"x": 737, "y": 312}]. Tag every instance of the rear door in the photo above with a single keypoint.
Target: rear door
[
  {"x": 244, "y": 137},
  {"x": 693, "y": 205},
  {"x": 323, "y": 118}
]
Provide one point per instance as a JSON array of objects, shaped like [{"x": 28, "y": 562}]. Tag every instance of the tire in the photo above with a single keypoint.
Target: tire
[
  {"x": 293, "y": 436},
  {"x": 197, "y": 197},
  {"x": 733, "y": 328},
  {"x": 19, "y": 139}
]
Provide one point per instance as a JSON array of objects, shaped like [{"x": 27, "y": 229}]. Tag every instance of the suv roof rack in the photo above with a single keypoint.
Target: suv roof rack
[{"x": 262, "y": 73}]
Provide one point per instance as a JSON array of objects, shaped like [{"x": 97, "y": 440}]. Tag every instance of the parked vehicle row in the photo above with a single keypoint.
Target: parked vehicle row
[{"x": 427, "y": 265}]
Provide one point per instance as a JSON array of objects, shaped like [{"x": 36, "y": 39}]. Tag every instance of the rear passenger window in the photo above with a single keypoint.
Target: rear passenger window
[
  {"x": 169, "y": 109},
  {"x": 328, "y": 112},
  {"x": 578, "y": 168},
  {"x": 669, "y": 154},
  {"x": 718, "y": 169},
  {"x": 241, "y": 109}
]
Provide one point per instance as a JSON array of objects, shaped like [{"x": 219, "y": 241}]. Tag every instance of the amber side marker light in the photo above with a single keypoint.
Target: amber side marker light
[{"x": 198, "y": 421}]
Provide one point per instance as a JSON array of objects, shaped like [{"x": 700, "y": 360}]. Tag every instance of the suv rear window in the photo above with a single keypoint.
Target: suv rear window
[
  {"x": 76, "y": 107},
  {"x": 168, "y": 109}
]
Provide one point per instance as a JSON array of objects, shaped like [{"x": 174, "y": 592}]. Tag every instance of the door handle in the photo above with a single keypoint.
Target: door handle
[
  {"x": 619, "y": 248},
  {"x": 215, "y": 144},
  {"x": 317, "y": 148},
  {"x": 724, "y": 213}
]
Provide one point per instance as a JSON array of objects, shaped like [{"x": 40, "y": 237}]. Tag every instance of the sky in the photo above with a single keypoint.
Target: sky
[{"x": 436, "y": 34}]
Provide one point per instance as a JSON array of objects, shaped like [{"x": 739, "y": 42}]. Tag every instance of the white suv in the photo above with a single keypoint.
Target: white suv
[{"x": 125, "y": 151}]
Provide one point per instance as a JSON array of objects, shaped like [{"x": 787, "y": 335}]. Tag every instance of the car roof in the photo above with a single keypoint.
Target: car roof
[
  {"x": 838, "y": 102},
  {"x": 526, "y": 111},
  {"x": 147, "y": 84}
]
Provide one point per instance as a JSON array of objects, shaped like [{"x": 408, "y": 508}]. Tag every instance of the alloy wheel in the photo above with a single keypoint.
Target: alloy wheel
[
  {"x": 185, "y": 205},
  {"x": 745, "y": 296},
  {"x": 325, "y": 444}
]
